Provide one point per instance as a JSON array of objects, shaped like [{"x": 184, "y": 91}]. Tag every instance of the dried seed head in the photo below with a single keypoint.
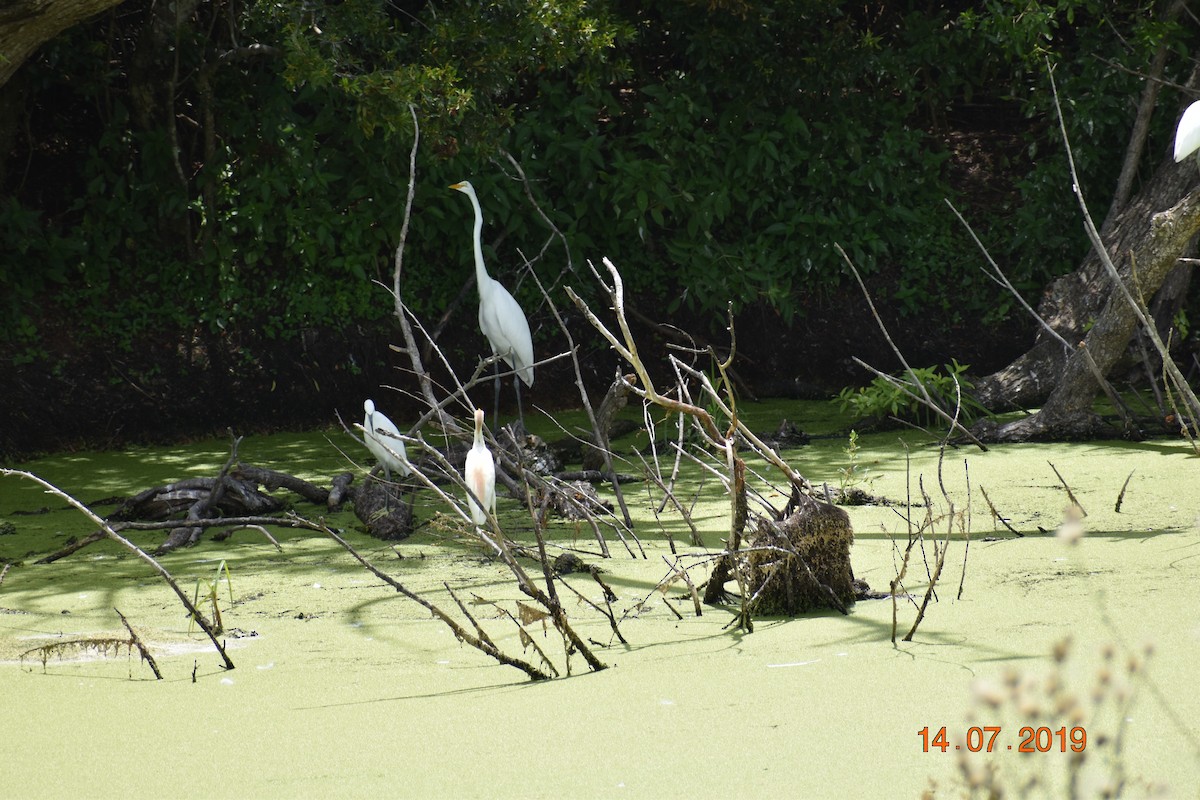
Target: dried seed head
[
  {"x": 1070, "y": 532},
  {"x": 1030, "y": 707},
  {"x": 988, "y": 692},
  {"x": 1065, "y": 701}
]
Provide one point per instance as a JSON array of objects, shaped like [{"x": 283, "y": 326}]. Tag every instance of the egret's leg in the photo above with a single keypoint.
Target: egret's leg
[
  {"x": 496, "y": 404},
  {"x": 520, "y": 411}
]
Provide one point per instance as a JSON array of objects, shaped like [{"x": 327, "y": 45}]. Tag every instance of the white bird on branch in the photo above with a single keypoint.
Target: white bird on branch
[
  {"x": 383, "y": 440},
  {"x": 500, "y": 317}
]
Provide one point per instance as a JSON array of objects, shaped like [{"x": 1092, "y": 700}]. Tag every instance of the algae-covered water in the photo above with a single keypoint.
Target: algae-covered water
[{"x": 344, "y": 688}]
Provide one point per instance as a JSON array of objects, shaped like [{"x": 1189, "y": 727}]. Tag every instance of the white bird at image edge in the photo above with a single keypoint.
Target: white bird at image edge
[{"x": 1187, "y": 135}]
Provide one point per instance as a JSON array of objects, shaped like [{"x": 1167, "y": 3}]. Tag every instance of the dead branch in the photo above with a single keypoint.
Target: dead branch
[
  {"x": 996, "y": 514},
  {"x": 1121, "y": 494},
  {"x": 461, "y": 633},
  {"x": 136, "y": 641},
  {"x": 1070, "y": 494},
  {"x": 924, "y": 399},
  {"x": 108, "y": 531}
]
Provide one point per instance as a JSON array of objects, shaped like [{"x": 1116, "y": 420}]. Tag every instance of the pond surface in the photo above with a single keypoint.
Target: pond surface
[{"x": 342, "y": 687}]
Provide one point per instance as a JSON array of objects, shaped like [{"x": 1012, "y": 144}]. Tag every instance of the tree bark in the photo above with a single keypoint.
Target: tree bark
[
  {"x": 26, "y": 24},
  {"x": 1146, "y": 248},
  {"x": 1075, "y": 301}
]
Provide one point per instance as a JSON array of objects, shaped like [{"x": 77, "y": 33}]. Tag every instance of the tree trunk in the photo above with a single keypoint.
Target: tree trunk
[
  {"x": 26, "y": 24},
  {"x": 1150, "y": 243},
  {"x": 1074, "y": 301}
]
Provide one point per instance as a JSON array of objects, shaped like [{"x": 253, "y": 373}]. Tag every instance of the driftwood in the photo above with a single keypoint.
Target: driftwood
[
  {"x": 615, "y": 400},
  {"x": 200, "y": 498},
  {"x": 382, "y": 507},
  {"x": 272, "y": 481},
  {"x": 231, "y": 500},
  {"x": 571, "y": 499}
]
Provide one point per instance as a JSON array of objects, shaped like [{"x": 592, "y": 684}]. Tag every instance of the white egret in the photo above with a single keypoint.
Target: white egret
[
  {"x": 383, "y": 440},
  {"x": 500, "y": 317},
  {"x": 480, "y": 475},
  {"x": 1187, "y": 135}
]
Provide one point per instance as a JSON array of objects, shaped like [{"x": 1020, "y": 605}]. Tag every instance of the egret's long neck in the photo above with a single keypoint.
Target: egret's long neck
[{"x": 480, "y": 270}]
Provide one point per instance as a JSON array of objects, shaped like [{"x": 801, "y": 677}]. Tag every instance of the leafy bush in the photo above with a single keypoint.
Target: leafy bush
[
  {"x": 884, "y": 398},
  {"x": 714, "y": 152}
]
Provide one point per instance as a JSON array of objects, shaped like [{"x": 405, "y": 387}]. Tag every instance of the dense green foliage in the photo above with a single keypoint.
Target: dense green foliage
[
  {"x": 901, "y": 397},
  {"x": 248, "y": 168}
]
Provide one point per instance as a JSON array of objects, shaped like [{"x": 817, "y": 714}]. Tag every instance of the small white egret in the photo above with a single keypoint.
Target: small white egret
[
  {"x": 480, "y": 475},
  {"x": 500, "y": 317},
  {"x": 383, "y": 440},
  {"x": 1187, "y": 135}
]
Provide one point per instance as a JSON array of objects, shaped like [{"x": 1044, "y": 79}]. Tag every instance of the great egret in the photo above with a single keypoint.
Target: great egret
[
  {"x": 383, "y": 440},
  {"x": 481, "y": 475},
  {"x": 1187, "y": 135},
  {"x": 500, "y": 317}
]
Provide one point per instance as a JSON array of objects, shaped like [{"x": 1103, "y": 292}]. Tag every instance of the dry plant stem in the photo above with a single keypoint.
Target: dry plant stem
[
  {"x": 107, "y": 530},
  {"x": 672, "y": 609},
  {"x": 424, "y": 380},
  {"x": 479, "y": 631},
  {"x": 965, "y": 526},
  {"x": 570, "y": 267},
  {"x": 549, "y": 598},
  {"x": 1189, "y": 426},
  {"x": 730, "y": 561},
  {"x": 1147, "y": 324},
  {"x": 3, "y": 572},
  {"x": 601, "y": 436},
  {"x": 290, "y": 521},
  {"x": 669, "y": 496},
  {"x": 1120, "y": 495},
  {"x": 1169, "y": 378},
  {"x": 670, "y": 487},
  {"x": 760, "y": 447},
  {"x": 996, "y": 514},
  {"x": 461, "y": 633},
  {"x": 606, "y": 611},
  {"x": 939, "y": 562},
  {"x": 266, "y": 534},
  {"x": 627, "y": 349},
  {"x": 925, "y": 399},
  {"x": 897, "y": 583},
  {"x": 1070, "y": 494},
  {"x": 136, "y": 641},
  {"x": 997, "y": 275}
]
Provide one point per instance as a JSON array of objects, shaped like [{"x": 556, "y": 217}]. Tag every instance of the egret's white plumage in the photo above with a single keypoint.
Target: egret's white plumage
[
  {"x": 1187, "y": 135},
  {"x": 383, "y": 440},
  {"x": 500, "y": 317},
  {"x": 480, "y": 475}
]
